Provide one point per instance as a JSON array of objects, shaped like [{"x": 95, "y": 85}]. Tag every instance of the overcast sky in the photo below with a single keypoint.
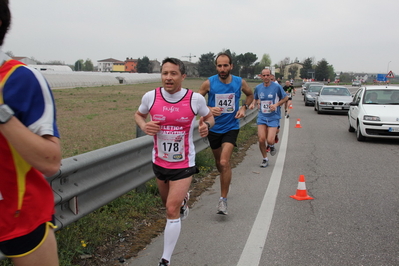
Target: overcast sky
[{"x": 352, "y": 35}]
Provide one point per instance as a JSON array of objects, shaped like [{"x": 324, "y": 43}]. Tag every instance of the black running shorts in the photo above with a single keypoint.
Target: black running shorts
[
  {"x": 217, "y": 139},
  {"x": 165, "y": 174},
  {"x": 24, "y": 245}
]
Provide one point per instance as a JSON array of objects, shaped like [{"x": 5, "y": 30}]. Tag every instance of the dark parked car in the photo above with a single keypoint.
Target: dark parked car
[
  {"x": 306, "y": 85},
  {"x": 311, "y": 93}
]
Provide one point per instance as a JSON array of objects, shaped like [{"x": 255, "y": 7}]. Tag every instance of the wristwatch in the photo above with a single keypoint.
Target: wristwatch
[
  {"x": 246, "y": 106},
  {"x": 5, "y": 113},
  {"x": 207, "y": 123}
]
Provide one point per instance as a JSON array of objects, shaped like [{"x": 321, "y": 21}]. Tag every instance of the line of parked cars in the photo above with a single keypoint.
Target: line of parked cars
[{"x": 373, "y": 111}]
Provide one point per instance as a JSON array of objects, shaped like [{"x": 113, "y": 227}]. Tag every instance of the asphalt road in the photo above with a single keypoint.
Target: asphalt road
[{"x": 352, "y": 220}]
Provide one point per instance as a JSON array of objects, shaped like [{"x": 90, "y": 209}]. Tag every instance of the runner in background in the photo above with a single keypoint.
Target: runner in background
[
  {"x": 289, "y": 89},
  {"x": 270, "y": 96}
]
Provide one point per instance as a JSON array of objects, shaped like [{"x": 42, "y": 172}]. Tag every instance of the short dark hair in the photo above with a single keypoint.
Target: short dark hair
[
  {"x": 5, "y": 17},
  {"x": 224, "y": 54},
  {"x": 176, "y": 62}
]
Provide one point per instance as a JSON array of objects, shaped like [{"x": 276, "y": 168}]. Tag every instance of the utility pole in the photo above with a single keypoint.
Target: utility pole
[{"x": 189, "y": 57}]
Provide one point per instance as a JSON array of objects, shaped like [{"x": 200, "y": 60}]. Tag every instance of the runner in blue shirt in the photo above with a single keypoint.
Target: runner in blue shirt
[
  {"x": 224, "y": 92},
  {"x": 268, "y": 96}
]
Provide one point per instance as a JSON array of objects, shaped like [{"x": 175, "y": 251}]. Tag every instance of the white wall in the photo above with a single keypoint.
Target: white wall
[{"x": 92, "y": 79}]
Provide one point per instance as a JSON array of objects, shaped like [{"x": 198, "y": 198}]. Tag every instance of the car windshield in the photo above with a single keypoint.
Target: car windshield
[
  {"x": 335, "y": 91},
  {"x": 309, "y": 84},
  {"x": 315, "y": 88},
  {"x": 387, "y": 96}
]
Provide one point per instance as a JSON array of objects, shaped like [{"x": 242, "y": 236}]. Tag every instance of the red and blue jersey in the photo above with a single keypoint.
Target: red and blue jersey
[{"x": 26, "y": 198}]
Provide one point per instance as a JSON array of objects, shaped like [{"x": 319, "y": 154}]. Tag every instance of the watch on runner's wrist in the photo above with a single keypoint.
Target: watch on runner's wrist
[{"x": 207, "y": 123}]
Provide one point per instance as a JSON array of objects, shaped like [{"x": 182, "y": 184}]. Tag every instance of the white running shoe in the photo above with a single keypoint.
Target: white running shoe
[
  {"x": 184, "y": 210},
  {"x": 264, "y": 163},
  {"x": 222, "y": 207}
]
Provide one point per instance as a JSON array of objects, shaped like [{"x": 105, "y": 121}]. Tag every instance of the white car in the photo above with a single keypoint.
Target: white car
[{"x": 374, "y": 112}]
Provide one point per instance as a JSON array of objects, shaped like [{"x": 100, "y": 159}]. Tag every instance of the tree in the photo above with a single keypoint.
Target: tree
[
  {"x": 264, "y": 62},
  {"x": 292, "y": 72},
  {"x": 246, "y": 62},
  {"x": 307, "y": 65},
  {"x": 322, "y": 71},
  {"x": 79, "y": 65},
  {"x": 331, "y": 72},
  {"x": 206, "y": 65},
  {"x": 345, "y": 77},
  {"x": 143, "y": 65},
  {"x": 88, "y": 65}
]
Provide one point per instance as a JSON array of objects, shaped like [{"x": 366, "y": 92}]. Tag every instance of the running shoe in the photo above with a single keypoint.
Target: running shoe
[
  {"x": 273, "y": 151},
  {"x": 184, "y": 210},
  {"x": 276, "y": 139},
  {"x": 287, "y": 116},
  {"x": 222, "y": 207},
  {"x": 268, "y": 148},
  {"x": 264, "y": 163},
  {"x": 163, "y": 262}
]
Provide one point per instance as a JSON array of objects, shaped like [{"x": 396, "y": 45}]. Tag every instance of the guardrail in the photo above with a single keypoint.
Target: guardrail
[{"x": 89, "y": 181}]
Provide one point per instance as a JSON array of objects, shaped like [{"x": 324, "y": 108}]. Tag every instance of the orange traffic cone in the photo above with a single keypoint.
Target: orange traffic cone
[
  {"x": 298, "y": 123},
  {"x": 291, "y": 106},
  {"x": 301, "y": 193}
]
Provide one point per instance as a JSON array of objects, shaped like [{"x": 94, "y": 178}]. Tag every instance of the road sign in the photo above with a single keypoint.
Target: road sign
[
  {"x": 390, "y": 75},
  {"x": 381, "y": 77}
]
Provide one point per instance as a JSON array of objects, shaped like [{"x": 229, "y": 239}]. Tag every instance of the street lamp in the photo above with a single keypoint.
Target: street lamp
[{"x": 388, "y": 66}]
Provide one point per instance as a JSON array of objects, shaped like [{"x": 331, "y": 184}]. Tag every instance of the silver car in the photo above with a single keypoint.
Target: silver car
[{"x": 333, "y": 99}]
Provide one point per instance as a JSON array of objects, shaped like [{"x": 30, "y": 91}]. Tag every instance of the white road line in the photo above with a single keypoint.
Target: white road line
[{"x": 256, "y": 241}]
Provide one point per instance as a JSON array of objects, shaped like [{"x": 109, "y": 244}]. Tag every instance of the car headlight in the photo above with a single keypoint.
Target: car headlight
[{"x": 371, "y": 118}]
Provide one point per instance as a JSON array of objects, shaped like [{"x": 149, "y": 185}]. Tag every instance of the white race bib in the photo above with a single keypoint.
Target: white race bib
[
  {"x": 226, "y": 102},
  {"x": 171, "y": 147},
  {"x": 265, "y": 106}
]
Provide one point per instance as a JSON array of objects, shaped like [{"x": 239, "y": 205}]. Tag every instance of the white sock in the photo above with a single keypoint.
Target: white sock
[
  {"x": 171, "y": 235},
  {"x": 267, "y": 159}
]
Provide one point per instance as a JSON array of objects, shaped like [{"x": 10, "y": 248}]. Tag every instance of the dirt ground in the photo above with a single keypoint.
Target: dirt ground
[{"x": 132, "y": 242}]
